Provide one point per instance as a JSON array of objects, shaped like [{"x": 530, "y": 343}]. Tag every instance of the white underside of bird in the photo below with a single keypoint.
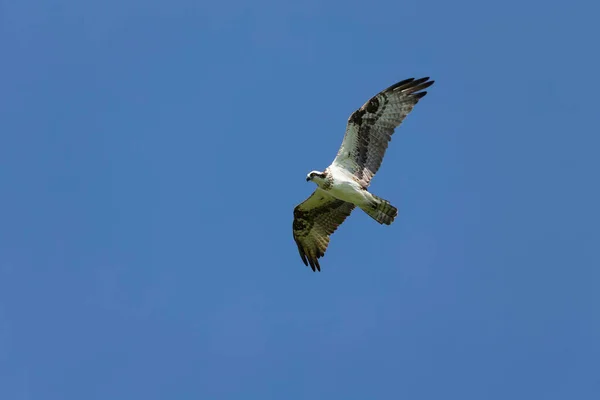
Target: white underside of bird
[
  {"x": 339, "y": 183},
  {"x": 345, "y": 187}
]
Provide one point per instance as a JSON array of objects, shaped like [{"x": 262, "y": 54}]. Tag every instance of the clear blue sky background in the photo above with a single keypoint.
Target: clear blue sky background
[{"x": 152, "y": 153}]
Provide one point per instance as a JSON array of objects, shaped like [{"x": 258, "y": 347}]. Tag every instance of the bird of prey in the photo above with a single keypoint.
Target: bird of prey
[{"x": 343, "y": 185}]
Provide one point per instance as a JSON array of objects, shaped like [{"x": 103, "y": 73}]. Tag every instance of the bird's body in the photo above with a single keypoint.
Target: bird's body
[
  {"x": 348, "y": 190},
  {"x": 344, "y": 184}
]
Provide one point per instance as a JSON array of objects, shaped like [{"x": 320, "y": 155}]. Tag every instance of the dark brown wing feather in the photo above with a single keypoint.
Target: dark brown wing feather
[
  {"x": 315, "y": 220},
  {"x": 370, "y": 128}
]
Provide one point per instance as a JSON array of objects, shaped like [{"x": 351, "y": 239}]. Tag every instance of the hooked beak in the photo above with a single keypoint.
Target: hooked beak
[{"x": 307, "y": 179}]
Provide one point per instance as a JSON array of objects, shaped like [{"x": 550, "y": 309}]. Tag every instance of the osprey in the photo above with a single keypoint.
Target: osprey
[{"x": 343, "y": 185}]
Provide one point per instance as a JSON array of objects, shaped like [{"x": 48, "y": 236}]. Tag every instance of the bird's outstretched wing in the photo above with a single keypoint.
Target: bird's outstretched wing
[
  {"x": 315, "y": 219},
  {"x": 370, "y": 128}
]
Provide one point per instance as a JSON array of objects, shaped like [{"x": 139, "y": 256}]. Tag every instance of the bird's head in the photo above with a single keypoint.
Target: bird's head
[{"x": 316, "y": 176}]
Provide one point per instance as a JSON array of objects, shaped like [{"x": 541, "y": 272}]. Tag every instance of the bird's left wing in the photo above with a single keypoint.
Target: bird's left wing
[
  {"x": 370, "y": 128},
  {"x": 315, "y": 220}
]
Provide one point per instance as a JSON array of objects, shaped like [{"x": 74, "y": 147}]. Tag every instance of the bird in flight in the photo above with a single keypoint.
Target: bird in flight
[{"x": 343, "y": 185}]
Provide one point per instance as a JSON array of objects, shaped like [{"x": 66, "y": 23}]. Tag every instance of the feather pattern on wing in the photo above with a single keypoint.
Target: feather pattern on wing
[
  {"x": 315, "y": 220},
  {"x": 370, "y": 128}
]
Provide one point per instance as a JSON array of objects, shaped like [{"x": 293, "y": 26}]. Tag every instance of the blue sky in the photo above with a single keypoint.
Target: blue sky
[{"x": 152, "y": 153}]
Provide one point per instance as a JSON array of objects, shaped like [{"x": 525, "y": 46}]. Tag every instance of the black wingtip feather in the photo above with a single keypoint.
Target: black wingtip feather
[
  {"x": 414, "y": 85},
  {"x": 416, "y": 88},
  {"x": 314, "y": 263},
  {"x": 401, "y": 83},
  {"x": 302, "y": 253},
  {"x": 411, "y": 84}
]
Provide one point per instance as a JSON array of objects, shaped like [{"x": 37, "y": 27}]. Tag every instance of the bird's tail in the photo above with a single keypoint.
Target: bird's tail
[{"x": 380, "y": 210}]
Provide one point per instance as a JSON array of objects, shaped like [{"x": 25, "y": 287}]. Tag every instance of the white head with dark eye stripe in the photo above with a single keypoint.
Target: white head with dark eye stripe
[{"x": 317, "y": 177}]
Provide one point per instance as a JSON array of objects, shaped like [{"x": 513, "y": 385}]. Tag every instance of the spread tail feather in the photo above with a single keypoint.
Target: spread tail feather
[{"x": 381, "y": 210}]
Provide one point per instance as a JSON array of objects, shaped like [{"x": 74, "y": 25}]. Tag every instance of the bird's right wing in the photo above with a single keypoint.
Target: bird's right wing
[{"x": 315, "y": 220}]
